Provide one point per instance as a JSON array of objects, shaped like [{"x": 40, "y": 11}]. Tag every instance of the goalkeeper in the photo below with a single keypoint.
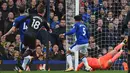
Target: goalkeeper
[{"x": 105, "y": 61}]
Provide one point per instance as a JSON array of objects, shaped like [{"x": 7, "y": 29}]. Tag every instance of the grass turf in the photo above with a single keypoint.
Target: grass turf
[{"x": 100, "y": 71}]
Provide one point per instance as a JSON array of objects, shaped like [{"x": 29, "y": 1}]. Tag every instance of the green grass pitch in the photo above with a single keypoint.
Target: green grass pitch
[{"x": 100, "y": 71}]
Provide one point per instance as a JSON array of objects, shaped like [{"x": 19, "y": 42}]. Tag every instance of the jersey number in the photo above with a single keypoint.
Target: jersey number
[
  {"x": 25, "y": 26},
  {"x": 35, "y": 24},
  {"x": 84, "y": 32}
]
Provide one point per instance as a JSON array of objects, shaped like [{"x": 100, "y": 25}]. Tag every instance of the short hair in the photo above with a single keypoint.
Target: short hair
[
  {"x": 40, "y": 8},
  {"x": 78, "y": 18},
  {"x": 21, "y": 8}
]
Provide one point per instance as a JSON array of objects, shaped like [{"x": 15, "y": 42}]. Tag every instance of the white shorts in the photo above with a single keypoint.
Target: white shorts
[{"x": 82, "y": 48}]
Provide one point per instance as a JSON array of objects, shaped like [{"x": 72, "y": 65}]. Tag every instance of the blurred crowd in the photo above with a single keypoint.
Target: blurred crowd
[
  {"x": 105, "y": 21},
  {"x": 10, "y": 45}
]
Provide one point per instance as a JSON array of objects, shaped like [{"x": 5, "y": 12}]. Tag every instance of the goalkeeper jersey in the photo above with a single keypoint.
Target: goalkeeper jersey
[{"x": 93, "y": 62}]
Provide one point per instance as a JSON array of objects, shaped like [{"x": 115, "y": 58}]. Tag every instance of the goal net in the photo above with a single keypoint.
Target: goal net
[
  {"x": 104, "y": 19},
  {"x": 70, "y": 13}
]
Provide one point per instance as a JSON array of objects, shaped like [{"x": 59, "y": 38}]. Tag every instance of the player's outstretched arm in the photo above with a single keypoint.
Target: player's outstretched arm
[
  {"x": 72, "y": 31},
  {"x": 13, "y": 29}
]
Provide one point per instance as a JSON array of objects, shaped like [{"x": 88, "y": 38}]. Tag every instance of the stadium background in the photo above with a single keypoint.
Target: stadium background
[
  {"x": 104, "y": 18},
  {"x": 54, "y": 11}
]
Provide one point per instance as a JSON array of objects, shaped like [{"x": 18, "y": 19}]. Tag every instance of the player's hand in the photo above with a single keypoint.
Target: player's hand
[
  {"x": 4, "y": 36},
  {"x": 61, "y": 36}
]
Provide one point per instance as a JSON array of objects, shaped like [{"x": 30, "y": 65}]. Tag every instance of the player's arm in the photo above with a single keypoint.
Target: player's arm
[
  {"x": 80, "y": 66},
  {"x": 72, "y": 31},
  {"x": 13, "y": 29}
]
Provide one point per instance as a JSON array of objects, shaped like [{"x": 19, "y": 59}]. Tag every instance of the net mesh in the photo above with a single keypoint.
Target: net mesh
[
  {"x": 70, "y": 13},
  {"x": 104, "y": 19}
]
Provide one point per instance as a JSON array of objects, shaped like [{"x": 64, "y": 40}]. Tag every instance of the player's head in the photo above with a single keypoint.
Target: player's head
[
  {"x": 40, "y": 8},
  {"x": 21, "y": 8},
  {"x": 78, "y": 18}
]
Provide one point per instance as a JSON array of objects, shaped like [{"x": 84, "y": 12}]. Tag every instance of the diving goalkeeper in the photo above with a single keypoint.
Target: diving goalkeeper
[{"x": 105, "y": 61}]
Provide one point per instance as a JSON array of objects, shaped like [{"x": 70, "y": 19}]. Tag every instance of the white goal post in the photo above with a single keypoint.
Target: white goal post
[
  {"x": 76, "y": 54},
  {"x": 72, "y": 9}
]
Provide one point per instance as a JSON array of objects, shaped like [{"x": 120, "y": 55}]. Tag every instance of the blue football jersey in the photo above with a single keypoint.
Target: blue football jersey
[
  {"x": 81, "y": 31},
  {"x": 21, "y": 25}
]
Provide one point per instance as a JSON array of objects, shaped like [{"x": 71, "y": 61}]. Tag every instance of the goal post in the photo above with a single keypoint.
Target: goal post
[
  {"x": 72, "y": 9},
  {"x": 76, "y": 7},
  {"x": 104, "y": 41},
  {"x": 76, "y": 54}
]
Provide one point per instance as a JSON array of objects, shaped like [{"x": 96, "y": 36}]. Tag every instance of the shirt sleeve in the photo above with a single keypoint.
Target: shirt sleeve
[
  {"x": 16, "y": 23},
  {"x": 72, "y": 31}
]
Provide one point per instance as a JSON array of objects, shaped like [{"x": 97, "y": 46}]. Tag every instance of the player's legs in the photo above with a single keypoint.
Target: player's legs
[
  {"x": 26, "y": 54},
  {"x": 83, "y": 52},
  {"x": 105, "y": 60},
  {"x": 116, "y": 56},
  {"x": 30, "y": 42},
  {"x": 22, "y": 48},
  {"x": 117, "y": 48},
  {"x": 27, "y": 58},
  {"x": 69, "y": 57},
  {"x": 113, "y": 59},
  {"x": 25, "y": 61}
]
